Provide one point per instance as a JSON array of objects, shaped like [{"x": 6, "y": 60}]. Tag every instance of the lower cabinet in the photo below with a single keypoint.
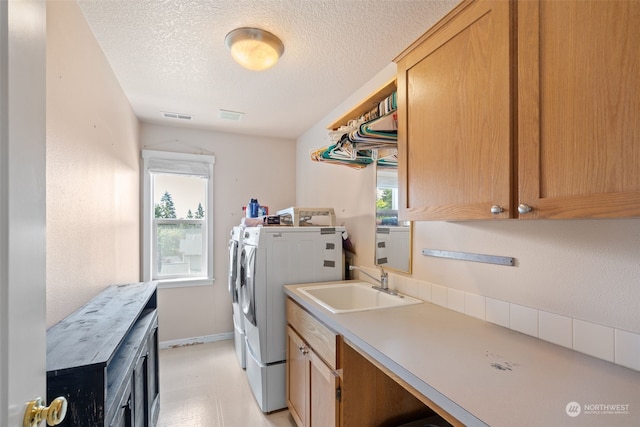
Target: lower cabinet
[
  {"x": 139, "y": 404},
  {"x": 331, "y": 383},
  {"x": 325, "y": 393},
  {"x": 313, "y": 391},
  {"x": 297, "y": 378},
  {"x": 104, "y": 359},
  {"x": 313, "y": 382}
]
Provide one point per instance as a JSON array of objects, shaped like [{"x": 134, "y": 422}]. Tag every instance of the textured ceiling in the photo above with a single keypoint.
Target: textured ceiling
[{"x": 169, "y": 55}]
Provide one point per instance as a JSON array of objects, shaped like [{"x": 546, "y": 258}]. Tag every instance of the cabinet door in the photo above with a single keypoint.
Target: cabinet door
[
  {"x": 124, "y": 414},
  {"x": 323, "y": 385},
  {"x": 153, "y": 383},
  {"x": 140, "y": 392},
  {"x": 578, "y": 108},
  {"x": 454, "y": 112},
  {"x": 122, "y": 417},
  {"x": 297, "y": 379}
]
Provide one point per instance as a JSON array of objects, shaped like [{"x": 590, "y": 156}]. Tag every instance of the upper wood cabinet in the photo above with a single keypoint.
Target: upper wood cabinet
[
  {"x": 579, "y": 108},
  {"x": 454, "y": 116},
  {"x": 530, "y": 103}
]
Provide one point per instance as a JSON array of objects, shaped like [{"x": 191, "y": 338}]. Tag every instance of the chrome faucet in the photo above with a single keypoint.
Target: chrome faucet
[{"x": 383, "y": 280}]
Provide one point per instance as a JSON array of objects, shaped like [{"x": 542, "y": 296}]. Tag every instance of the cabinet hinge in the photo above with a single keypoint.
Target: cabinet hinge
[{"x": 339, "y": 394}]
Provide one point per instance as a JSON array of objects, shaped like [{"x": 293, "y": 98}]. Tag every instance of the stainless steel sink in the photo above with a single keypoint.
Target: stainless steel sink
[{"x": 346, "y": 297}]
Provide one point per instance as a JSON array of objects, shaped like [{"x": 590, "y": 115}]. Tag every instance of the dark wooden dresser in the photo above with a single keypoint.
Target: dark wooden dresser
[{"x": 104, "y": 359}]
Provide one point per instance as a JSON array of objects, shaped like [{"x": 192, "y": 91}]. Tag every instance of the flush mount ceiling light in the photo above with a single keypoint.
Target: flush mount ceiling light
[{"x": 254, "y": 48}]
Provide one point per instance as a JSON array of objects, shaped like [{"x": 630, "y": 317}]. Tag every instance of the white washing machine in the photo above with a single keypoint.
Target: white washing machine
[
  {"x": 271, "y": 258},
  {"x": 235, "y": 248}
]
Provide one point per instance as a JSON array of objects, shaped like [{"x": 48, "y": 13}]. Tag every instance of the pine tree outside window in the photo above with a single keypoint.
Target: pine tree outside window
[{"x": 178, "y": 241}]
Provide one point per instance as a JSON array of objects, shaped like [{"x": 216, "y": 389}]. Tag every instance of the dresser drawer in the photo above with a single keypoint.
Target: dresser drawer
[{"x": 321, "y": 339}]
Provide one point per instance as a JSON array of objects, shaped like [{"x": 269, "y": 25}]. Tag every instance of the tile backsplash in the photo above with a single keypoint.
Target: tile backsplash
[
  {"x": 593, "y": 339},
  {"x": 556, "y": 329},
  {"x": 604, "y": 342}
]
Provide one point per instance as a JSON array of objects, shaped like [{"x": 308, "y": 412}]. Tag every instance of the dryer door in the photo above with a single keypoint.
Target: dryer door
[
  {"x": 247, "y": 283},
  {"x": 233, "y": 269}
]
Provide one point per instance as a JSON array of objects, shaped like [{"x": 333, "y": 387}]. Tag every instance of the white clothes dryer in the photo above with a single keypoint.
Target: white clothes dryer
[{"x": 271, "y": 258}]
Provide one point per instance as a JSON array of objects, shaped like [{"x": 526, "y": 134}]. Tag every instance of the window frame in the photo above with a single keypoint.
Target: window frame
[{"x": 165, "y": 162}]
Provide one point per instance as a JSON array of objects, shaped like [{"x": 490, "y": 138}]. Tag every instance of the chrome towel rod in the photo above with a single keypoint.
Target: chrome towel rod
[{"x": 466, "y": 256}]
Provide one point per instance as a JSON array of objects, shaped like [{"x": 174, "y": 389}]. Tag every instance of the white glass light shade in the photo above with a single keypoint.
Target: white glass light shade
[{"x": 253, "y": 48}]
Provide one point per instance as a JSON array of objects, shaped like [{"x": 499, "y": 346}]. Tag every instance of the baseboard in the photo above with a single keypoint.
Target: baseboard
[{"x": 195, "y": 340}]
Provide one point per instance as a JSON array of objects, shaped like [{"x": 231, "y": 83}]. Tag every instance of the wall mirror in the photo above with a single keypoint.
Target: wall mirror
[{"x": 393, "y": 237}]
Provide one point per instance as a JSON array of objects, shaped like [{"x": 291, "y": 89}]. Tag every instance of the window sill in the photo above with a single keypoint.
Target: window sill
[{"x": 184, "y": 282}]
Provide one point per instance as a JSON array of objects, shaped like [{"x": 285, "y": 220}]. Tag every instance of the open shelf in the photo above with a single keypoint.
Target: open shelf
[{"x": 366, "y": 105}]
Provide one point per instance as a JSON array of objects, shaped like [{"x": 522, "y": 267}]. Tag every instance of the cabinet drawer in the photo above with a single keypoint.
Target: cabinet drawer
[{"x": 321, "y": 339}]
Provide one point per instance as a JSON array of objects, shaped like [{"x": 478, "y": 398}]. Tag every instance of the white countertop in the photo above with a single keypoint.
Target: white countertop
[{"x": 484, "y": 374}]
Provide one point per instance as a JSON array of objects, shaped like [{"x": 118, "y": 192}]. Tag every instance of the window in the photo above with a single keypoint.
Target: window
[{"x": 177, "y": 218}]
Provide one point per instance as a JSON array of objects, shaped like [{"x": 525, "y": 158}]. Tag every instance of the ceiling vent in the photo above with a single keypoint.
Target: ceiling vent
[
  {"x": 179, "y": 116},
  {"x": 235, "y": 116}
]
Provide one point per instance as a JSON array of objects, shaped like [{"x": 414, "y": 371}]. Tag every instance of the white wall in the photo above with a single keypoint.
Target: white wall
[
  {"x": 245, "y": 167},
  {"x": 92, "y": 168},
  {"x": 583, "y": 269},
  {"x": 93, "y": 184}
]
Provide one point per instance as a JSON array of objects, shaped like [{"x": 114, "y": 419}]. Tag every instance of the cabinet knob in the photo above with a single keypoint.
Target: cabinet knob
[
  {"x": 495, "y": 209},
  {"x": 523, "y": 209},
  {"x": 303, "y": 349}
]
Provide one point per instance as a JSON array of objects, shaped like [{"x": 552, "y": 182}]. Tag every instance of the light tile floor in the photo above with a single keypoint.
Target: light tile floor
[{"x": 203, "y": 386}]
